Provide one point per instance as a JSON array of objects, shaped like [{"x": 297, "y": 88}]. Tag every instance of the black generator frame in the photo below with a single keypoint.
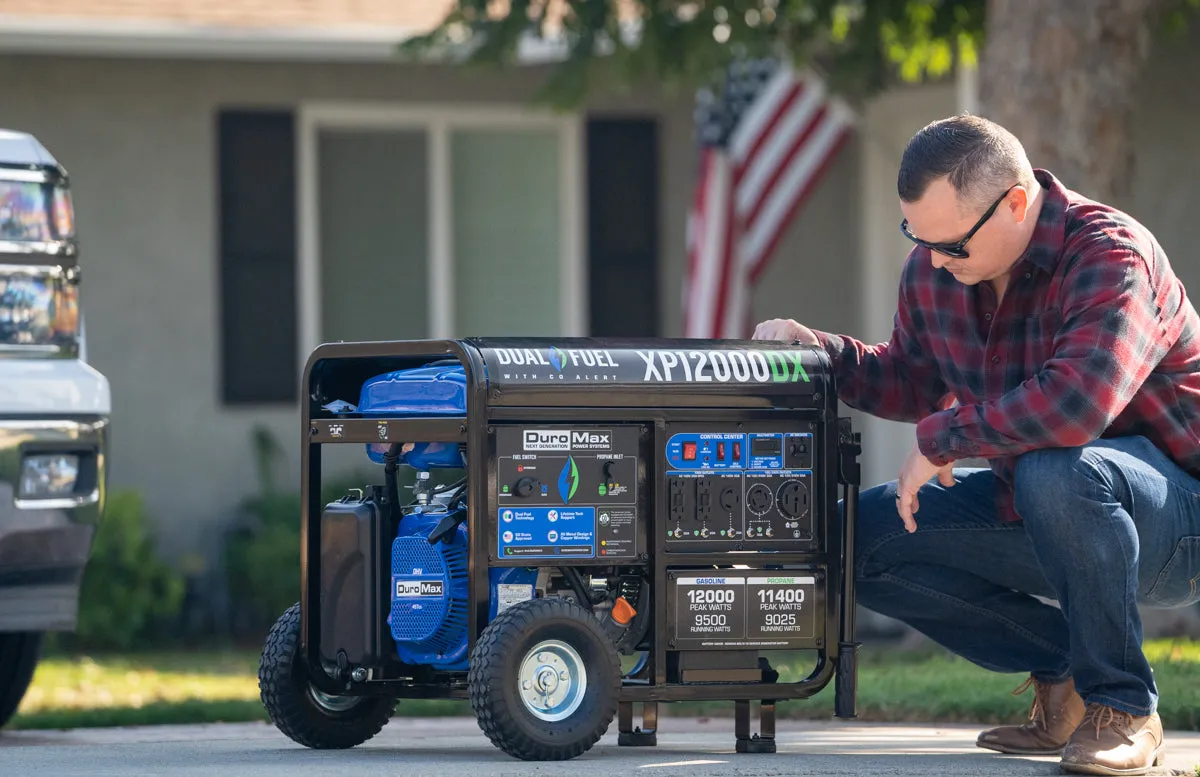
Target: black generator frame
[{"x": 338, "y": 370}]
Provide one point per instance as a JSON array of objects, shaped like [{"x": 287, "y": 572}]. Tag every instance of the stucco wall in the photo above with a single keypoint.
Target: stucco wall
[{"x": 1164, "y": 193}]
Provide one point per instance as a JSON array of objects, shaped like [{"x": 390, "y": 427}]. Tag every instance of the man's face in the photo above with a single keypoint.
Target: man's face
[{"x": 940, "y": 216}]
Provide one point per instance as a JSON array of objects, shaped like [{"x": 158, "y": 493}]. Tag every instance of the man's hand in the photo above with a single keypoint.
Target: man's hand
[
  {"x": 914, "y": 473},
  {"x": 784, "y": 330}
]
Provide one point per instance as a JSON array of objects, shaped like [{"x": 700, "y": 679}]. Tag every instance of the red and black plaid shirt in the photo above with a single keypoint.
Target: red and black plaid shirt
[{"x": 1094, "y": 337}]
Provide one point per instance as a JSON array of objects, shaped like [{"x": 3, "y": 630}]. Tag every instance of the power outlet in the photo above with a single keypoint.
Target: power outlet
[
  {"x": 793, "y": 498},
  {"x": 705, "y": 499},
  {"x": 758, "y": 498},
  {"x": 677, "y": 495},
  {"x": 730, "y": 499}
]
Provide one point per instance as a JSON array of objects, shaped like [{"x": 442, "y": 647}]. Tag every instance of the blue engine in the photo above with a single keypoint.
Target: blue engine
[
  {"x": 428, "y": 613},
  {"x": 428, "y": 617}
]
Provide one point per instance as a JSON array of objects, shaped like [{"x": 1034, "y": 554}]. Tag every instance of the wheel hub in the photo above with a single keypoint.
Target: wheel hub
[
  {"x": 552, "y": 680},
  {"x": 547, "y": 680},
  {"x": 330, "y": 702}
]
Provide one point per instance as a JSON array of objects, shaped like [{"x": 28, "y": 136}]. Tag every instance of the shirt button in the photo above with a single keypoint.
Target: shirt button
[
  {"x": 995, "y": 360},
  {"x": 987, "y": 316},
  {"x": 1028, "y": 275}
]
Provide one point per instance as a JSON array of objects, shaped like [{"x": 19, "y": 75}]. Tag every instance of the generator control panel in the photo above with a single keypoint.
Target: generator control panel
[
  {"x": 739, "y": 490},
  {"x": 568, "y": 491}
]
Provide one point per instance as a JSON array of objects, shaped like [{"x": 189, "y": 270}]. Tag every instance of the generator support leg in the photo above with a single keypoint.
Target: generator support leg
[
  {"x": 762, "y": 742},
  {"x": 845, "y": 693},
  {"x": 766, "y": 722},
  {"x": 645, "y": 735}
]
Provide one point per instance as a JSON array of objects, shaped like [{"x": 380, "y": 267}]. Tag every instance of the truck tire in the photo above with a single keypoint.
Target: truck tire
[
  {"x": 544, "y": 680},
  {"x": 306, "y": 715},
  {"x": 19, "y": 653}
]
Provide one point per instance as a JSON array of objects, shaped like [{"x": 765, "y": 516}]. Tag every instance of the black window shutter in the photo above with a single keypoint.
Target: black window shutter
[
  {"x": 257, "y": 223},
  {"x": 623, "y": 226}
]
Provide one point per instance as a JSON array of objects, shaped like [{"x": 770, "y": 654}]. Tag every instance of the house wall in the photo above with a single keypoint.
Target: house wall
[
  {"x": 138, "y": 138},
  {"x": 1164, "y": 191}
]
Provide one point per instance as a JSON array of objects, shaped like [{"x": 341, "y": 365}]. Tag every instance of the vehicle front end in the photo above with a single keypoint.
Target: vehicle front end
[{"x": 54, "y": 414}]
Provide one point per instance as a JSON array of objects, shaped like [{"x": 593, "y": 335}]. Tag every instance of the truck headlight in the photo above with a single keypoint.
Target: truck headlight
[{"x": 49, "y": 476}]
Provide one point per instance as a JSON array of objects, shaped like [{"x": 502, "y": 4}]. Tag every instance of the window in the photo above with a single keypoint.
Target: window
[
  {"x": 439, "y": 221},
  {"x": 509, "y": 253},
  {"x": 373, "y": 227}
]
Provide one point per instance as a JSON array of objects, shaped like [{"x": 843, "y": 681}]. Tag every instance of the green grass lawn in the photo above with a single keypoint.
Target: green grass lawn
[{"x": 925, "y": 686}]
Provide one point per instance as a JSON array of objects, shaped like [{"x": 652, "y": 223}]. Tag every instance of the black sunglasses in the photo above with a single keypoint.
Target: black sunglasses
[{"x": 956, "y": 249}]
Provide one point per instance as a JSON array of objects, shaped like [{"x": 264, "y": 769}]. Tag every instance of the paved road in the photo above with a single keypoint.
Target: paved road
[{"x": 454, "y": 747}]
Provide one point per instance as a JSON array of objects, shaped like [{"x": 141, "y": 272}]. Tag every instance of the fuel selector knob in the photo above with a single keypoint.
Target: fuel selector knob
[
  {"x": 609, "y": 481},
  {"x": 525, "y": 486}
]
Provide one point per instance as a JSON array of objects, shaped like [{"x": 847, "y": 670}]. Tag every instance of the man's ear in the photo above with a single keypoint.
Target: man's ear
[{"x": 1018, "y": 202}]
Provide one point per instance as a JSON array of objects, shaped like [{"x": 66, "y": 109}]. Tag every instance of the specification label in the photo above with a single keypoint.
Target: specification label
[{"x": 754, "y": 610}]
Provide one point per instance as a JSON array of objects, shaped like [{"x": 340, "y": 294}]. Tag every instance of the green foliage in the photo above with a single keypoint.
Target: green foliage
[
  {"x": 262, "y": 559},
  {"x": 129, "y": 596},
  {"x": 859, "y": 45}
]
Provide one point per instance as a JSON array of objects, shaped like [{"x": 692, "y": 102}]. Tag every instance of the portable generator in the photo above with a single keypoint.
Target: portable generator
[{"x": 593, "y": 524}]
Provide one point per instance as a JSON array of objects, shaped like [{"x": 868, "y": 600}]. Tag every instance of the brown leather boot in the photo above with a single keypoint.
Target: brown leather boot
[
  {"x": 1109, "y": 741},
  {"x": 1055, "y": 714}
]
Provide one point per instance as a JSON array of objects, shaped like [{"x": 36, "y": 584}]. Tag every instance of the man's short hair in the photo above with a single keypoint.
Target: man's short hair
[{"x": 979, "y": 158}]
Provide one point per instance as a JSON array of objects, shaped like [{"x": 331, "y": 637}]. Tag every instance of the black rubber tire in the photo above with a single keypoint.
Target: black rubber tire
[
  {"x": 284, "y": 690},
  {"x": 493, "y": 684},
  {"x": 19, "y": 654}
]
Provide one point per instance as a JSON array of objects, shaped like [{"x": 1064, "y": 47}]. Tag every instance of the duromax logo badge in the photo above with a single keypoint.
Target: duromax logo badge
[
  {"x": 568, "y": 480},
  {"x": 557, "y": 358}
]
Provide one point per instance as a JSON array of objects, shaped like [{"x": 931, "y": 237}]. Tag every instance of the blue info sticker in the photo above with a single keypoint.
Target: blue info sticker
[{"x": 546, "y": 532}]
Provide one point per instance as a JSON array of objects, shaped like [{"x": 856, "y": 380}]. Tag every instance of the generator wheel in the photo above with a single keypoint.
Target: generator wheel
[
  {"x": 19, "y": 653},
  {"x": 544, "y": 680},
  {"x": 305, "y": 714}
]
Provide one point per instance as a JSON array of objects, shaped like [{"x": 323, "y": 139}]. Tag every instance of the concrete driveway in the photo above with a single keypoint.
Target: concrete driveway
[{"x": 454, "y": 747}]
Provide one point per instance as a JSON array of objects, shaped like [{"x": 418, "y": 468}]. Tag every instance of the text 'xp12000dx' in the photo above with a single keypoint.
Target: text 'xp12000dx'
[{"x": 586, "y": 525}]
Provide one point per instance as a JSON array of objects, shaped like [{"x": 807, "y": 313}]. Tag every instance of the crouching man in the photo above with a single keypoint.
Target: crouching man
[{"x": 1046, "y": 333}]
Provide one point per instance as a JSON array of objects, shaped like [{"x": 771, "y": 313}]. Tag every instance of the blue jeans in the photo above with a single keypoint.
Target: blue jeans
[{"x": 1105, "y": 526}]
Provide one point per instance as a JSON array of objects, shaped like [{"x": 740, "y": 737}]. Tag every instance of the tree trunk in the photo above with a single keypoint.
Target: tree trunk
[{"x": 1061, "y": 76}]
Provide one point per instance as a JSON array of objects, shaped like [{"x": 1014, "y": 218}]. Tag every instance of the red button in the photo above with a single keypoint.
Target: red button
[{"x": 689, "y": 451}]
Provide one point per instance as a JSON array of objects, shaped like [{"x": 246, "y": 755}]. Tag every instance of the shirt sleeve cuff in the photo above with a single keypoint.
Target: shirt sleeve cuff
[
  {"x": 933, "y": 437},
  {"x": 833, "y": 344}
]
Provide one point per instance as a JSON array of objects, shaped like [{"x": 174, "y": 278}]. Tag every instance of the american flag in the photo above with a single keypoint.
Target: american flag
[{"x": 764, "y": 144}]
